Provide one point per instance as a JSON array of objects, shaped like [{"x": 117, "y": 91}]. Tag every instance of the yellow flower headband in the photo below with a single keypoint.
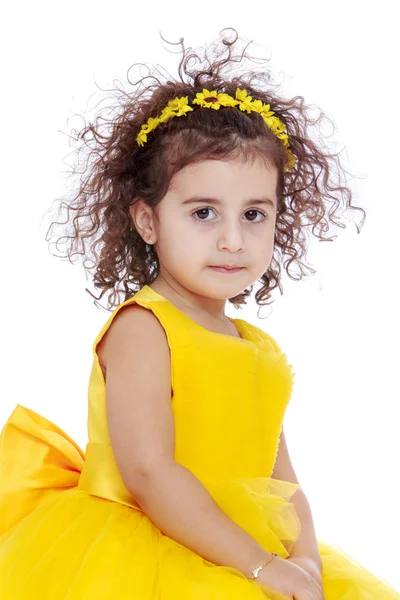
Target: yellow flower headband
[{"x": 180, "y": 106}]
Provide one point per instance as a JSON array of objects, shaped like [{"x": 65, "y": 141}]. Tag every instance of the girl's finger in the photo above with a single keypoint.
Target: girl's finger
[{"x": 318, "y": 589}]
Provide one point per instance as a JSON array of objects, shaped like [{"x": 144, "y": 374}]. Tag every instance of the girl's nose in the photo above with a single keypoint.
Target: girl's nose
[{"x": 231, "y": 238}]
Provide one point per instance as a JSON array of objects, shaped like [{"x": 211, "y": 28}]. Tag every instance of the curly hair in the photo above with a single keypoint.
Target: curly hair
[{"x": 117, "y": 171}]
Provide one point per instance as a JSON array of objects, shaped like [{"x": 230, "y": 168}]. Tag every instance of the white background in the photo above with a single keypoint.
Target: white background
[{"x": 339, "y": 328}]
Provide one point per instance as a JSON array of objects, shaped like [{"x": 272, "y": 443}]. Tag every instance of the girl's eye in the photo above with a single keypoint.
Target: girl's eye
[
  {"x": 203, "y": 212},
  {"x": 254, "y": 213}
]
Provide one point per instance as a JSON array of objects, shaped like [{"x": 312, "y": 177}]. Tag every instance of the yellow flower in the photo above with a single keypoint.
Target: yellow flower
[
  {"x": 180, "y": 106},
  {"x": 257, "y": 105},
  {"x": 268, "y": 121},
  {"x": 141, "y": 138},
  {"x": 150, "y": 125},
  {"x": 245, "y": 100},
  {"x": 266, "y": 112},
  {"x": 291, "y": 160},
  {"x": 282, "y": 136},
  {"x": 227, "y": 100},
  {"x": 201, "y": 99},
  {"x": 285, "y": 140},
  {"x": 274, "y": 124},
  {"x": 166, "y": 114}
]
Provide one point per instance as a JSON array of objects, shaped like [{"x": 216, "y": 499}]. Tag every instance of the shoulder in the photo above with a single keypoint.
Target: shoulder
[{"x": 134, "y": 330}]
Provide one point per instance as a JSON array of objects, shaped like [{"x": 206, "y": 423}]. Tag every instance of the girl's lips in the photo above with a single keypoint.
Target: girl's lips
[{"x": 226, "y": 270}]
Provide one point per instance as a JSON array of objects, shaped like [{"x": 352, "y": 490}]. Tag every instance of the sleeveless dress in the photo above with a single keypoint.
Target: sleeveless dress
[{"x": 69, "y": 528}]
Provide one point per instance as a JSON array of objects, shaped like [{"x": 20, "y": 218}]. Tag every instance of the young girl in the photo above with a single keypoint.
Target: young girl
[{"x": 199, "y": 189}]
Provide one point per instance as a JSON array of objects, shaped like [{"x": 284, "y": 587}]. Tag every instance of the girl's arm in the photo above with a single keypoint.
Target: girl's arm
[
  {"x": 135, "y": 354},
  {"x": 305, "y": 551}
]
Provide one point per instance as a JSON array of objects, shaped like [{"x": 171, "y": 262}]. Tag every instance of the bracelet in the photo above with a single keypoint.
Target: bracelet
[{"x": 256, "y": 571}]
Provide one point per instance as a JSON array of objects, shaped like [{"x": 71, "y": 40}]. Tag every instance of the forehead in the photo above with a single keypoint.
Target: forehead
[{"x": 234, "y": 176}]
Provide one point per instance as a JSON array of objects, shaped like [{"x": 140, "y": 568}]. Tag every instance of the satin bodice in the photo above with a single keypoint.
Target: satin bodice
[{"x": 228, "y": 395}]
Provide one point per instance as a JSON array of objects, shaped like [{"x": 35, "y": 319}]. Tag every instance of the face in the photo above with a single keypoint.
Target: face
[{"x": 216, "y": 213}]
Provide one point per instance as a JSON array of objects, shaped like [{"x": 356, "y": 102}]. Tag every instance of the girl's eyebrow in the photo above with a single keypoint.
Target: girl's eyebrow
[{"x": 197, "y": 199}]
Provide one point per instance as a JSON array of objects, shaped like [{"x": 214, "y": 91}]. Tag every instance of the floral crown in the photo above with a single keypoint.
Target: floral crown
[{"x": 180, "y": 106}]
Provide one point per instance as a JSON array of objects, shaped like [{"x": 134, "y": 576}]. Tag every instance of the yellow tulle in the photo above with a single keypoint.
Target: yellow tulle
[
  {"x": 260, "y": 506},
  {"x": 91, "y": 548},
  {"x": 45, "y": 518}
]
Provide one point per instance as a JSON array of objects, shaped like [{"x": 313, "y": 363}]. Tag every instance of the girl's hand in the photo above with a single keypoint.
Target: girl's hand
[
  {"x": 289, "y": 579},
  {"x": 308, "y": 566}
]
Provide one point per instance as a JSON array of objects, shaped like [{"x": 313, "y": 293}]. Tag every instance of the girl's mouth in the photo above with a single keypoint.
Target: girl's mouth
[{"x": 227, "y": 269}]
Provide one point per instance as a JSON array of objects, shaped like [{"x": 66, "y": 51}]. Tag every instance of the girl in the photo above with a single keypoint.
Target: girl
[{"x": 199, "y": 189}]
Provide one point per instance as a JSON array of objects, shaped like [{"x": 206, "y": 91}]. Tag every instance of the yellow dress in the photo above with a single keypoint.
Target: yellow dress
[{"x": 70, "y": 530}]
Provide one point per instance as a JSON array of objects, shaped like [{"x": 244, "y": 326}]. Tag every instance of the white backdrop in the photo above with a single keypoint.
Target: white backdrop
[{"x": 339, "y": 328}]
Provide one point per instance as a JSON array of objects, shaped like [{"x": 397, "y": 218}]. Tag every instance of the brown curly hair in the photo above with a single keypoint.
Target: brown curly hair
[{"x": 118, "y": 171}]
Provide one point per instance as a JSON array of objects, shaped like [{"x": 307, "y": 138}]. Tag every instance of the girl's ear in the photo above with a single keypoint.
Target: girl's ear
[{"x": 143, "y": 220}]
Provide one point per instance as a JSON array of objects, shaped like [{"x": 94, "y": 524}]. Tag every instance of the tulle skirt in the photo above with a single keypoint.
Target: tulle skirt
[{"x": 58, "y": 542}]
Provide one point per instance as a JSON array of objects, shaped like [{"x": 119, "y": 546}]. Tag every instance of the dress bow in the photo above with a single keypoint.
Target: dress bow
[{"x": 37, "y": 460}]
